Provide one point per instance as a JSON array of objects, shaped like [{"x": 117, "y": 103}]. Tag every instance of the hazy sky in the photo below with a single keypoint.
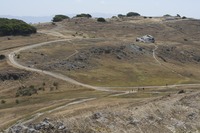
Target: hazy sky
[{"x": 190, "y": 8}]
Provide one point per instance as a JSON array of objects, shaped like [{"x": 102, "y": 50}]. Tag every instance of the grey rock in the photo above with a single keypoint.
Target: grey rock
[
  {"x": 97, "y": 115},
  {"x": 134, "y": 122},
  {"x": 12, "y": 75}
]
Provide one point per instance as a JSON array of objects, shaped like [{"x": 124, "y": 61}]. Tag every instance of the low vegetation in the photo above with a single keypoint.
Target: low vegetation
[
  {"x": 101, "y": 20},
  {"x": 58, "y": 18},
  {"x": 26, "y": 91},
  {"x": 121, "y": 15},
  {"x": 84, "y": 15},
  {"x": 15, "y": 27}
]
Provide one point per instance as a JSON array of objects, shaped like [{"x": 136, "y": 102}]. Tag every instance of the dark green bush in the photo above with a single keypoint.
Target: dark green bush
[
  {"x": 15, "y": 27},
  {"x": 167, "y": 15},
  {"x": 58, "y": 18},
  {"x": 132, "y": 14},
  {"x": 101, "y": 20},
  {"x": 121, "y": 15},
  {"x": 3, "y": 101},
  {"x": 84, "y": 15},
  {"x": 184, "y": 17}
]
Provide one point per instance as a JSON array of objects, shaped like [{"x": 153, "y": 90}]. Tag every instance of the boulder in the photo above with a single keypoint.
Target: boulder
[{"x": 146, "y": 39}]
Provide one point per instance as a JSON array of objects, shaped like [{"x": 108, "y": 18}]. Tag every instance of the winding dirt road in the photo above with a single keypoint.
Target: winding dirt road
[{"x": 14, "y": 63}]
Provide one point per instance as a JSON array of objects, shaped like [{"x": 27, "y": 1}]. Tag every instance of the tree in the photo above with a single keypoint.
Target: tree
[
  {"x": 58, "y": 18},
  {"x": 101, "y": 20},
  {"x": 132, "y": 14}
]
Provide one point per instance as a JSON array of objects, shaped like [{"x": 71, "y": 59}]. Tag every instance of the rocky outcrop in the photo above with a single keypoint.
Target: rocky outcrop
[
  {"x": 45, "y": 126},
  {"x": 146, "y": 39},
  {"x": 12, "y": 75},
  {"x": 84, "y": 58}
]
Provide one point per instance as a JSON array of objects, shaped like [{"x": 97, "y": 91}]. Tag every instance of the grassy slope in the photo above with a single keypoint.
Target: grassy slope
[{"x": 112, "y": 73}]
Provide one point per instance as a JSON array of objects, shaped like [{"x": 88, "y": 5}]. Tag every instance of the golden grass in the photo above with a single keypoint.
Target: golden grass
[{"x": 120, "y": 73}]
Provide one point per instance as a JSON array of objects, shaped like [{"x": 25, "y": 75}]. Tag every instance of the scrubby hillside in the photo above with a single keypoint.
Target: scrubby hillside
[
  {"x": 95, "y": 77},
  {"x": 178, "y": 113}
]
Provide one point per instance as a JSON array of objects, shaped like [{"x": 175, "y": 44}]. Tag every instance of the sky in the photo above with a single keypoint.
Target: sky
[{"x": 189, "y": 8}]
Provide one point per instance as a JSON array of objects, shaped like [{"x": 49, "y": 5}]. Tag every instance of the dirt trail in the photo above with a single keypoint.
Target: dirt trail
[
  {"x": 154, "y": 54},
  {"x": 37, "y": 115},
  {"x": 156, "y": 59}
]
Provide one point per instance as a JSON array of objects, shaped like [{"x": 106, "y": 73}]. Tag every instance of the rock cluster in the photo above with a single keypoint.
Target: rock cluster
[
  {"x": 146, "y": 39},
  {"x": 183, "y": 55},
  {"x": 84, "y": 58},
  {"x": 12, "y": 75},
  {"x": 46, "y": 126}
]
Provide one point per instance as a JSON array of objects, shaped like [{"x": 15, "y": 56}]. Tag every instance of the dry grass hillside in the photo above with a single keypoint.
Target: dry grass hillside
[{"x": 84, "y": 76}]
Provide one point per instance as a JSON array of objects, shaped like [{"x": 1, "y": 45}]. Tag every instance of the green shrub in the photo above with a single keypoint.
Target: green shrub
[
  {"x": 58, "y": 18},
  {"x": 101, "y": 20},
  {"x": 132, "y": 14},
  {"x": 3, "y": 101},
  {"x": 84, "y": 15},
  {"x": 55, "y": 84},
  {"x": 15, "y": 27}
]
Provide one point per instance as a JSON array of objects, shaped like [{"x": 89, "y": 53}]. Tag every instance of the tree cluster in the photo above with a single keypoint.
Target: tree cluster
[
  {"x": 15, "y": 27},
  {"x": 129, "y": 14}
]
